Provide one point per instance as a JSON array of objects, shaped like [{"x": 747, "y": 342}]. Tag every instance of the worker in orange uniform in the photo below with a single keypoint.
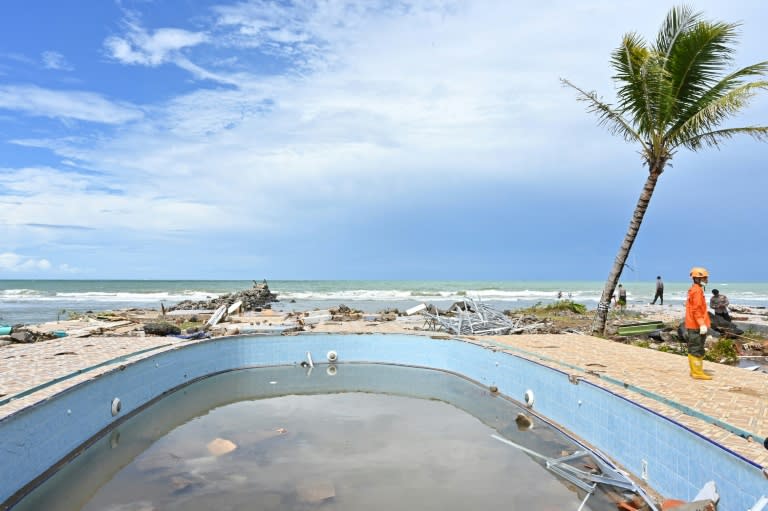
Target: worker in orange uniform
[{"x": 697, "y": 323}]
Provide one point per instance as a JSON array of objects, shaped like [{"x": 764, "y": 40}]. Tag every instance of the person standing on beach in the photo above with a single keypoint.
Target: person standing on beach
[
  {"x": 622, "y": 301},
  {"x": 659, "y": 291},
  {"x": 697, "y": 323},
  {"x": 719, "y": 303}
]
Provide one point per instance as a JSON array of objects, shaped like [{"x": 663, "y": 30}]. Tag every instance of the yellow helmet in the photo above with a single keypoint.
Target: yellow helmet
[{"x": 698, "y": 271}]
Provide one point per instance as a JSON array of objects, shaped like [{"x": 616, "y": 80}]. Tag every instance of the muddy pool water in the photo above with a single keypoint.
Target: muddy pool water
[{"x": 346, "y": 437}]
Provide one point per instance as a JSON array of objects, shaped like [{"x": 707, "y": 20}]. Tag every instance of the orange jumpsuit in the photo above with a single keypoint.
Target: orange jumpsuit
[{"x": 696, "y": 308}]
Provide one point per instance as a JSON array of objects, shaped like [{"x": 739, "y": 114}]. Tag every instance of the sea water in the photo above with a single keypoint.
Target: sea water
[
  {"x": 363, "y": 437},
  {"x": 38, "y": 301}
]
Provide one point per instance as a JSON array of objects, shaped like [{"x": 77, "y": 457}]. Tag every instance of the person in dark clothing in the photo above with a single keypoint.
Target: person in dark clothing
[
  {"x": 719, "y": 303},
  {"x": 659, "y": 291},
  {"x": 622, "y": 300}
]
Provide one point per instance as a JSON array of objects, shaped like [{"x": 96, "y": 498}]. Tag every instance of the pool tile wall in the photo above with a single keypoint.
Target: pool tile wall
[{"x": 677, "y": 461}]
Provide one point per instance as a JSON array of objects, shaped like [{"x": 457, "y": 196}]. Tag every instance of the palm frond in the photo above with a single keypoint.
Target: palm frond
[
  {"x": 729, "y": 96},
  {"x": 696, "y": 62},
  {"x": 607, "y": 116},
  {"x": 678, "y": 20},
  {"x": 635, "y": 71},
  {"x": 716, "y": 137}
]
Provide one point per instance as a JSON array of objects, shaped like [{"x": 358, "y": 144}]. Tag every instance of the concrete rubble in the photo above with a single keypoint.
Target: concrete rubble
[{"x": 257, "y": 298}]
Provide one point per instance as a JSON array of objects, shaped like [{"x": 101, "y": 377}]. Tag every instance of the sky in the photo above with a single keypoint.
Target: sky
[{"x": 386, "y": 139}]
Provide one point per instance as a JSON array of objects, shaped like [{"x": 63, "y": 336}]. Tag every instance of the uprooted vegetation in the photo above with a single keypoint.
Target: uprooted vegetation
[
  {"x": 557, "y": 308},
  {"x": 560, "y": 316}
]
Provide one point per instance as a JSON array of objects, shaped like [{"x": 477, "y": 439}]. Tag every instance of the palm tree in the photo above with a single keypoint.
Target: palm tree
[{"x": 673, "y": 93}]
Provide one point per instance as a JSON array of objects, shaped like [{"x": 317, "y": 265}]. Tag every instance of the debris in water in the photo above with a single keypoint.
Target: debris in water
[
  {"x": 315, "y": 491},
  {"x": 220, "y": 446},
  {"x": 524, "y": 422}
]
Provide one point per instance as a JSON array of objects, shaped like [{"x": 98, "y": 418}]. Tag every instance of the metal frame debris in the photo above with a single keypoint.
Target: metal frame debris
[
  {"x": 587, "y": 481},
  {"x": 470, "y": 317}
]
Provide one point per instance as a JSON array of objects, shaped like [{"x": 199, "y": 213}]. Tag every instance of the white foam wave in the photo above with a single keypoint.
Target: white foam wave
[
  {"x": 19, "y": 292},
  {"x": 99, "y": 296},
  {"x": 432, "y": 295},
  {"x": 587, "y": 296}
]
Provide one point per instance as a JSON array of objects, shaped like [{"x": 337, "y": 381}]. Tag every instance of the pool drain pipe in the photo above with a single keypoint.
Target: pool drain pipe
[{"x": 309, "y": 359}]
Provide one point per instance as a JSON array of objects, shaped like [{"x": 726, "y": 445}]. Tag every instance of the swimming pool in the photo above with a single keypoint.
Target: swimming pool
[
  {"x": 673, "y": 460},
  {"x": 361, "y": 436}
]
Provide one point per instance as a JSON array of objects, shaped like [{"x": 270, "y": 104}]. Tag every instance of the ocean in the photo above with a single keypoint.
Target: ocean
[{"x": 39, "y": 301}]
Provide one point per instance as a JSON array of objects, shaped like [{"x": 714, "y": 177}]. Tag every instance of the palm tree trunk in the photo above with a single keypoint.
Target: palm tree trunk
[{"x": 626, "y": 246}]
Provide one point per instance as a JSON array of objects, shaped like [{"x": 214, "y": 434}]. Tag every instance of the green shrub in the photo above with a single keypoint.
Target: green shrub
[
  {"x": 190, "y": 324},
  {"x": 558, "y": 306},
  {"x": 724, "y": 351}
]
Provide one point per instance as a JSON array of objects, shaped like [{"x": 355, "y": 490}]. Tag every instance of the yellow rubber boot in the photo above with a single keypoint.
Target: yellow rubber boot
[{"x": 697, "y": 368}]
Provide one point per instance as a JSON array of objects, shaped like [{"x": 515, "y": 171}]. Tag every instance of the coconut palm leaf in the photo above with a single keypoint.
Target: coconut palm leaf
[
  {"x": 722, "y": 100},
  {"x": 696, "y": 66},
  {"x": 636, "y": 94},
  {"x": 698, "y": 127},
  {"x": 715, "y": 138},
  {"x": 610, "y": 118}
]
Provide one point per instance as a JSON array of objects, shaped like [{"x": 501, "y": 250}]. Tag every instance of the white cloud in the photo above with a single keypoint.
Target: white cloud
[
  {"x": 55, "y": 60},
  {"x": 81, "y": 202},
  {"x": 372, "y": 99},
  {"x": 77, "y": 105},
  {"x": 141, "y": 47},
  {"x": 12, "y": 262}
]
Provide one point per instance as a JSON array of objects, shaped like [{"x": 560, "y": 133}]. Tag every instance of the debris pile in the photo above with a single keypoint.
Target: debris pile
[
  {"x": 161, "y": 328},
  {"x": 344, "y": 313},
  {"x": 22, "y": 335},
  {"x": 471, "y": 318},
  {"x": 255, "y": 299}
]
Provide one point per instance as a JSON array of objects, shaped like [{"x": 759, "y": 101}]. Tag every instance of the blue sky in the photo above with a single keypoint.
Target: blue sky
[{"x": 351, "y": 140}]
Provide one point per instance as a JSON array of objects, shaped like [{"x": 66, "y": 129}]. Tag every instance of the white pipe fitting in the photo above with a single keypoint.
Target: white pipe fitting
[
  {"x": 116, "y": 406},
  {"x": 529, "y": 398},
  {"x": 332, "y": 356}
]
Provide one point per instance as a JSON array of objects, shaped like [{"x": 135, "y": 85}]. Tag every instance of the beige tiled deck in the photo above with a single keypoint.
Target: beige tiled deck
[{"x": 735, "y": 396}]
